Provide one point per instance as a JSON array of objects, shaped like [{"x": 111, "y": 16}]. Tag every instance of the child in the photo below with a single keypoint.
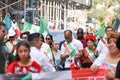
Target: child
[{"x": 23, "y": 63}]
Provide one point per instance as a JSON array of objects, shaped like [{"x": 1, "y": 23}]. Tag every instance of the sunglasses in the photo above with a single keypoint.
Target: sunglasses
[
  {"x": 48, "y": 39},
  {"x": 24, "y": 37}
]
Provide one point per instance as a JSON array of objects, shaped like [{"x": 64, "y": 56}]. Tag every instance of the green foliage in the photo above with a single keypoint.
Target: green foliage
[{"x": 101, "y": 13}]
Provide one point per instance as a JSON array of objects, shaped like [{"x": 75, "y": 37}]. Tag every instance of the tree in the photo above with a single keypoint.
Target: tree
[{"x": 101, "y": 9}]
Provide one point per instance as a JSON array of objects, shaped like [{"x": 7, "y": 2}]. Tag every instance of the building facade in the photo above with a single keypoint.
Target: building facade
[{"x": 61, "y": 13}]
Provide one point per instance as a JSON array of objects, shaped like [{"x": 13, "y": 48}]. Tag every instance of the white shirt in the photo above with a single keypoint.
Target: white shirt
[
  {"x": 102, "y": 48},
  {"x": 40, "y": 57},
  {"x": 99, "y": 60},
  {"x": 77, "y": 45},
  {"x": 46, "y": 48},
  {"x": 103, "y": 63}
]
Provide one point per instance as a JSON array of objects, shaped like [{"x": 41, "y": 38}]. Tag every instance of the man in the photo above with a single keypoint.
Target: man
[
  {"x": 80, "y": 37},
  {"x": 102, "y": 49},
  {"x": 102, "y": 44},
  {"x": 38, "y": 55},
  {"x": 2, "y": 54},
  {"x": 71, "y": 49}
]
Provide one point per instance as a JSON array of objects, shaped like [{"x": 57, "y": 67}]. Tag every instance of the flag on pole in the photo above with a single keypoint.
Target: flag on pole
[
  {"x": 44, "y": 27},
  {"x": 101, "y": 32},
  {"x": 27, "y": 27},
  {"x": 17, "y": 29},
  {"x": 8, "y": 22},
  {"x": 10, "y": 26},
  {"x": 31, "y": 28},
  {"x": 16, "y": 25}
]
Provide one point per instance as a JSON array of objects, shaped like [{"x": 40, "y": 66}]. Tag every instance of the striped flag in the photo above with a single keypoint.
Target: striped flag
[
  {"x": 31, "y": 28},
  {"x": 11, "y": 27}
]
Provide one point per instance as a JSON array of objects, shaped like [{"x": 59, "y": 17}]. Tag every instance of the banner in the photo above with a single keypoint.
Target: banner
[{"x": 85, "y": 73}]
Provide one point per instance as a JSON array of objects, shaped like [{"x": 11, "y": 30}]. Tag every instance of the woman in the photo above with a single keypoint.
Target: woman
[
  {"x": 117, "y": 74},
  {"x": 24, "y": 35},
  {"x": 23, "y": 64},
  {"x": 89, "y": 51},
  {"x": 49, "y": 39},
  {"x": 56, "y": 55},
  {"x": 110, "y": 60}
]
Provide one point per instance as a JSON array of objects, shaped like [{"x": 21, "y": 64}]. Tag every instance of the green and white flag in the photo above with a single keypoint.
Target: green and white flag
[
  {"x": 31, "y": 28},
  {"x": 27, "y": 27},
  {"x": 44, "y": 27},
  {"x": 27, "y": 77},
  {"x": 101, "y": 32}
]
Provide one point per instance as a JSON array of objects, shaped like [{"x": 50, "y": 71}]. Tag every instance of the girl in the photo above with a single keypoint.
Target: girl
[
  {"x": 56, "y": 54},
  {"x": 89, "y": 51},
  {"x": 22, "y": 63}
]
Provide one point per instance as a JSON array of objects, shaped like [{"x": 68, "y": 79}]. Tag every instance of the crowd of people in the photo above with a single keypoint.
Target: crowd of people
[{"x": 35, "y": 53}]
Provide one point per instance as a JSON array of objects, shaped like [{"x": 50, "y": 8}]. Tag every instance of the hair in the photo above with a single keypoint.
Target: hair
[
  {"x": 2, "y": 24},
  {"x": 91, "y": 37},
  {"x": 80, "y": 29},
  {"x": 118, "y": 43},
  {"x": 42, "y": 37},
  {"x": 24, "y": 43},
  {"x": 25, "y": 33},
  {"x": 108, "y": 28},
  {"x": 114, "y": 35},
  {"x": 67, "y": 31},
  {"x": 50, "y": 36},
  {"x": 33, "y": 37},
  {"x": 90, "y": 40}
]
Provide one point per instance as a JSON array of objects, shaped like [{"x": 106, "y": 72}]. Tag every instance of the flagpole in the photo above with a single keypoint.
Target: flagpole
[{"x": 24, "y": 11}]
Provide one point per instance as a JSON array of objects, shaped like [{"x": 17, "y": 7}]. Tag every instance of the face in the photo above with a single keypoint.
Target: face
[
  {"x": 90, "y": 43},
  {"x": 24, "y": 37},
  {"x": 38, "y": 43},
  {"x": 112, "y": 45},
  {"x": 48, "y": 39},
  {"x": 2, "y": 32},
  {"x": 23, "y": 53},
  {"x": 54, "y": 45},
  {"x": 80, "y": 33},
  {"x": 109, "y": 30},
  {"x": 68, "y": 36}
]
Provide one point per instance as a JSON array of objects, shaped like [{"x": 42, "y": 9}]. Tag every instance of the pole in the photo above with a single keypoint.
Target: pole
[
  {"x": 6, "y": 5},
  {"x": 24, "y": 11},
  {"x": 95, "y": 16},
  {"x": 10, "y": 5},
  {"x": 65, "y": 16}
]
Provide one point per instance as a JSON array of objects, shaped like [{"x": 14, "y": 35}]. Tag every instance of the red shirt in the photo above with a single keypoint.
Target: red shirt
[{"x": 15, "y": 68}]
